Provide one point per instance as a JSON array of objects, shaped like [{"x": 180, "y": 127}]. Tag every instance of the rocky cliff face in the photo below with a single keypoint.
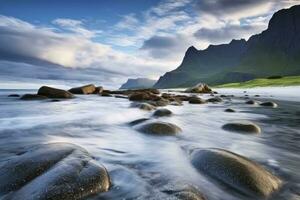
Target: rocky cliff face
[
  {"x": 275, "y": 51},
  {"x": 138, "y": 83}
]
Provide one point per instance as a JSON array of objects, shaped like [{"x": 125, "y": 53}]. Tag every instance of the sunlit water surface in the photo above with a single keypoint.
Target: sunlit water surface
[{"x": 145, "y": 167}]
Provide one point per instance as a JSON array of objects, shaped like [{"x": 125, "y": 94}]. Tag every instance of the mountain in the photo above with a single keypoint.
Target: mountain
[
  {"x": 275, "y": 51},
  {"x": 138, "y": 83}
]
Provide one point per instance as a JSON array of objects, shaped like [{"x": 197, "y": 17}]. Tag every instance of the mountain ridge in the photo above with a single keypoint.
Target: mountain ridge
[
  {"x": 275, "y": 51},
  {"x": 138, "y": 83}
]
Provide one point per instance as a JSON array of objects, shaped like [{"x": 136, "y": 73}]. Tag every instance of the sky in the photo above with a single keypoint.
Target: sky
[{"x": 106, "y": 42}]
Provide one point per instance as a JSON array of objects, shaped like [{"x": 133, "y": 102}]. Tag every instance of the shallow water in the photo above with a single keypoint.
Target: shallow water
[{"x": 148, "y": 167}]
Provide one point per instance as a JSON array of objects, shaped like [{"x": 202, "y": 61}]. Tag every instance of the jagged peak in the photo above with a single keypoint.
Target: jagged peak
[{"x": 191, "y": 49}]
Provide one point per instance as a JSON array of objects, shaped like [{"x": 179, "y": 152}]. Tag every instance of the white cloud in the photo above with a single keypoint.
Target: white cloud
[{"x": 159, "y": 36}]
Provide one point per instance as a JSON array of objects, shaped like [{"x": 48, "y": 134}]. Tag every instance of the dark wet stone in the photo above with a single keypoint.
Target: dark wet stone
[
  {"x": 55, "y": 100},
  {"x": 236, "y": 171},
  {"x": 33, "y": 97},
  {"x": 86, "y": 89},
  {"x": 229, "y": 110},
  {"x": 54, "y": 93},
  {"x": 138, "y": 121},
  {"x": 251, "y": 102},
  {"x": 162, "y": 112},
  {"x": 215, "y": 100},
  {"x": 121, "y": 96},
  {"x": 196, "y": 100},
  {"x": 52, "y": 171},
  {"x": 105, "y": 94},
  {"x": 242, "y": 127},
  {"x": 14, "y": 95},
  {"x": 269, "y": 104},
  {"x": 257, "y": 95},
  {"x": 160, "y": 128}
]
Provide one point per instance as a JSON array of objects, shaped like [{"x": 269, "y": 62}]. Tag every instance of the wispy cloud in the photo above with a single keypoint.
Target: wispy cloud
[{"x": 157, "y": 38}]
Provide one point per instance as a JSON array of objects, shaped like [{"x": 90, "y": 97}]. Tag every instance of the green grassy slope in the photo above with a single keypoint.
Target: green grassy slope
[{"x": 263, "y": 82}]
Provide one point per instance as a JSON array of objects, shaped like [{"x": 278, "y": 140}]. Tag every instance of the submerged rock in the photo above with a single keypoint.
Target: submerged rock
[
  {"x": 269, "y": 104},
  {"x": 52, "y": 171},
  {"x": 138, "y": 121},
  {"x": 160, "y": 128},
  {"x": 86, "y": 89},
  {"x": 146, "y": 106},
  {"x": 188, "y": 193},
  {"x": 251, "y": 102},
  {"x": 229, "y": 110},
  {"x": 106, "y": 94},
  {"x": 199, "y": 88},
  {"x": 215, "y": 100},
  {"x": 242, "y": 127},
  {"x": 54, "y": 93},
  {"x": 236, "y": 171},
  {"x": 33, "y": 97},
  {"x": 196, "y": 100},
  {"x": 162, "y": 112},
  {"x": 14, "y": 95}
]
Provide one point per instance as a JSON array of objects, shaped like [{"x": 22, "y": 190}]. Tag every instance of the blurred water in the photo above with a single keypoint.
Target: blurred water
[{"x": 145, "y": 167}]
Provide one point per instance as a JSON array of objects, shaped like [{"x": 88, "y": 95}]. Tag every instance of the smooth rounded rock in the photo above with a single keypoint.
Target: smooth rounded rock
[
  {"x": 269, "y": 104},
  {"x": 215, "y": 100},
  {"x": 236, "y": 171},
  {"x": 160, "y": 128},
  {"x": 162, "y": 112},
  {"x": 251, "y": 102},
  {"x": 51, "y": 92},
  {"x": 14, "y": 95},
  {"x": 229, "y": 110},
  {"x": 52, "y": 171},
  {"x": 242, "y": 127},
  {"x": 86, "y": 89},
  {"x": 33, "y": 97},
  {"x": 146, "y": 106},
  {"x": 196, "y": 100}
]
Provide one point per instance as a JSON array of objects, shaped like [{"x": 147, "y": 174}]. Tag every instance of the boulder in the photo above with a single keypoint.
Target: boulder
[
  {"x": 269, "y": 104},
  {"x": 52, "y": 171},
  {"x": 144, "y": 96},
  {"x": 199, "y": 88},
  {"x": 86, "y": 89},
  {"x": 33, "y": 97},
  {"x": 159, "y": 128},
  {"x": 229, "y": 110},
  {"x": 139, "y": 96},
  {"x": 54, "y": 93},
  {"x": 146, "y": 106},
  {"x": 159, "y": 103},
  {"x": 162, "y": 112},
  {"x": 242, "y": 127},
  {"x": 215, "y": 100},
  {"x": 98, "y": 90},
  {"x": 196, "y": 100},
  {"x": 236, "y": 172},
  {"x": 14, "y": 95},
  {"x": 251, "y": 102}
]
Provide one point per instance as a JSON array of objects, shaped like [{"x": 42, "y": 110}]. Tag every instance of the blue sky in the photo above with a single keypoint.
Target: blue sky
[{"x": 108, "y": 41}]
